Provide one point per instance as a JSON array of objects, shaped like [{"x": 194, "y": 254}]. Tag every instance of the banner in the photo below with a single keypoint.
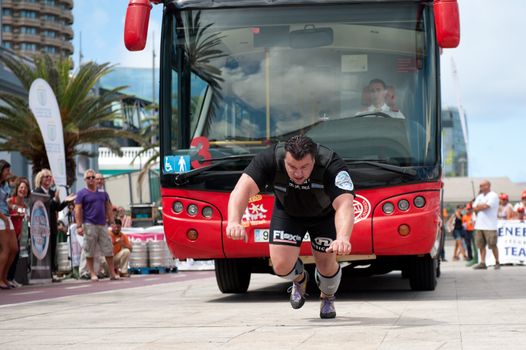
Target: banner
[
  {"x": 40, "y": 239},
  {"x": 511, "y": 243},
  {"x": 43, "y": 104}
]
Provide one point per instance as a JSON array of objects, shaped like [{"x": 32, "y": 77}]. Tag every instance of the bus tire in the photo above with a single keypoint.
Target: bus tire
[
  {"x": 232, "y": 275},
  {"x": 422, "y": 274}
]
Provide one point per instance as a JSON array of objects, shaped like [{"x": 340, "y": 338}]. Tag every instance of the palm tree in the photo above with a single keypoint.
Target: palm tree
[{"x": 82, "y": 111}]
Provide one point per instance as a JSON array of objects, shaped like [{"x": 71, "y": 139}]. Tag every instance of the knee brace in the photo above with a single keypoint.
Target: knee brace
[
  {"x": 328, "y": 285},
  {"x": 296, "y": 271}
]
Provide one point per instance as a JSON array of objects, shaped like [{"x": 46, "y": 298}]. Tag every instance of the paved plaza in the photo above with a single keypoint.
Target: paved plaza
[{"x": 468, "y": 310}]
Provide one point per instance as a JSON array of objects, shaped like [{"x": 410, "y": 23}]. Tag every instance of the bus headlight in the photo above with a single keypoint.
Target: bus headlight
[
  {"x": 419, "y": 201},
  {"x": 403, "y": 204},
  {"x": 192, "y": 210},
  {"x": 207, "y": 212},
  {"x": 178, "y": 207},
  {"x": 388, "y": 208}
]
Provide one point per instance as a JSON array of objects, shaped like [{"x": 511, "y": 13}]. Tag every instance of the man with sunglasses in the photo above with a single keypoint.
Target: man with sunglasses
[{"x": 92, "y": 211}]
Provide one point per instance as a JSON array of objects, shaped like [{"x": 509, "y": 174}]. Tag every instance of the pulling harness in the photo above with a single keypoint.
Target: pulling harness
[{"x": 281, "y": 179}]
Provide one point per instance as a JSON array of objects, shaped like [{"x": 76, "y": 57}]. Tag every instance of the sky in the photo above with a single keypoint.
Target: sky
[{"x": 489, "y": 62}]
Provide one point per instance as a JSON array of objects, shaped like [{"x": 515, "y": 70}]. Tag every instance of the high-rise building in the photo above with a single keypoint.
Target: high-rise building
[
  {"x": 454, "y": 143},
  {"x": 33, "y": 26}
]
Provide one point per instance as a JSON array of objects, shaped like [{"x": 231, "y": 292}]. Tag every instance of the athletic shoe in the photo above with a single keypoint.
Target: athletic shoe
[
  {"x": 480, "y": 266},
  {"x": 497, "y": 266},
  {"x": 14, "y": 284},
  {"x": 298, "y": 291},
  {"x": 471, "y": 263},
  {"x": 327, "y": 309}
]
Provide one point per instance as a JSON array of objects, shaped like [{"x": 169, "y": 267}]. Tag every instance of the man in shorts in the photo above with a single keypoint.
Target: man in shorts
[
  {"x": 92, "y": 212},
  {"x": 314, "y": 193},
  {"x": 486, "y": 206}
]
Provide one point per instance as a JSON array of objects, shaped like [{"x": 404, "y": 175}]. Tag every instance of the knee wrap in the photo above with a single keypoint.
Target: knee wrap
[
  {"x": 328, "y": 285},
  {"x": 296, "y": 271}
]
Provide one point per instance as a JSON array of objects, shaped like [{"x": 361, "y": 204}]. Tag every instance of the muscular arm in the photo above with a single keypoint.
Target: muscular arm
[
  {"x": 344, "y": 221},
  {"x": 245, "y": 188}
]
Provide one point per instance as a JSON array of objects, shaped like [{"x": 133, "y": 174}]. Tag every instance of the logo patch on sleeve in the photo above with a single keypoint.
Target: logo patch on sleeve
[{"x": 343, "y": 181}]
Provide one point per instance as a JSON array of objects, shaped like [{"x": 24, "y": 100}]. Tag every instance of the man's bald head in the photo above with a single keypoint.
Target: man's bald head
[{"x": 485, "y": 186}]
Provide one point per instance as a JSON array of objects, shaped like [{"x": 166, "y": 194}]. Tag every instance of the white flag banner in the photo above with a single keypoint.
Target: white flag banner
[{"x": 43, "y": 104}]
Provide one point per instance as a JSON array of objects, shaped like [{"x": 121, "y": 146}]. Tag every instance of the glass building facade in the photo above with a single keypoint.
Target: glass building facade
[{"x": 454, "y": 143}]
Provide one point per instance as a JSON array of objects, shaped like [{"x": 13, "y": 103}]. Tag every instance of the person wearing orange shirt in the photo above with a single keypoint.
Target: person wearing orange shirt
[
  {"x": 121, "y": 248},
  {"x": 468, "y": 221}
]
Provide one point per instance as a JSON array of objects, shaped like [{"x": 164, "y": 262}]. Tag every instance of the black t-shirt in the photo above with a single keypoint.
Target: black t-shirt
[
  {"x": 458, "y": 223},
  {"x": 300, "y": 199}
]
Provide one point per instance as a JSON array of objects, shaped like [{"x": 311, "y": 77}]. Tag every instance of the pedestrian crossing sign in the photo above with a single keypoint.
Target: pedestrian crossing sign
[{"x": 176, "y": 164}]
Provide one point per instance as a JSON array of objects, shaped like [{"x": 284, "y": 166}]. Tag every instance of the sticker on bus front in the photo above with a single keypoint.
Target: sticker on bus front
[{"x": 176, "y": 164}]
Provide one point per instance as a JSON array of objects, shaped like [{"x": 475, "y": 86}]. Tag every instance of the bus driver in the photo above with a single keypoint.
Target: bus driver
[{"x": 314, "y": 192}]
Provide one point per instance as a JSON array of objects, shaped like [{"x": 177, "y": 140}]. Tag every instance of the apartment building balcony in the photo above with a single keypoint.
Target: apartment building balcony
[{"x": 111, "y": 163}]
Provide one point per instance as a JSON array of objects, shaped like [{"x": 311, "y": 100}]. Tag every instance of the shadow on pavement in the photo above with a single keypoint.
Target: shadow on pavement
[{"x": 459, "y": 283}]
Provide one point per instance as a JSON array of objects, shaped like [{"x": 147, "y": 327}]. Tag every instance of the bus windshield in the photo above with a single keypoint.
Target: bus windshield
[{"x": 358, "y": 78}]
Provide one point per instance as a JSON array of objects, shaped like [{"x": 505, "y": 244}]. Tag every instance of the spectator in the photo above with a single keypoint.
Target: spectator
[
  {"x": 12, "y": 181},
  {"x": 444, "y": 229},
  {"x": 43, "y": 185},
  {"x": 99, "y": 180},
  {"x": 8, "y": 243},
  {"x": 18, "y": 211},
  {"x": 125, "y": 219},
  {"x": 62, "y": 232},
  {"x": 505, "y": 208},
  {"x": 67, "y": 215},
  {"x": 468, "y": 222},
  {"x": 379, "y": 95},
  {"x": 458, "y": 233},
  {"x": 518, "y": 209},
  {"x": 92, "y": 211},
  {"x": 121, "y": 248},
  {"x": 486, "y": 207}
]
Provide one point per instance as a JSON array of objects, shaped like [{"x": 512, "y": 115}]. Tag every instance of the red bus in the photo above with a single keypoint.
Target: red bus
[{"x": 238, "y": 76}]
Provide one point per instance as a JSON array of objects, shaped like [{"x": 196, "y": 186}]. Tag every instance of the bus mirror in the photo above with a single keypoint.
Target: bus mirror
[
  {"x": 136, "y": 24},
  {"x": 310, "y": 37},
  {"x": 447, "y": 23}
]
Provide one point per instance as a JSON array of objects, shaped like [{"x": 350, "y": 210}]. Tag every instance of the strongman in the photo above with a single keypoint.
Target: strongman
[{"x": 314, "y": 193}]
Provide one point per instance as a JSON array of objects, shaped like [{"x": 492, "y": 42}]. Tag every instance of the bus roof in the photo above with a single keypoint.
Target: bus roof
[{"x": 183, "y": 4}]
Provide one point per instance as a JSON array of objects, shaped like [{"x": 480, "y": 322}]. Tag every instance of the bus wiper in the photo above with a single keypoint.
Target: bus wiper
[
  {"x": 395, "y": 168},
  {"x": 182, "y": 178}
]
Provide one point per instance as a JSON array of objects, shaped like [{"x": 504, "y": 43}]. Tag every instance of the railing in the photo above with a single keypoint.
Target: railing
[{"x": 110, "y": 160}]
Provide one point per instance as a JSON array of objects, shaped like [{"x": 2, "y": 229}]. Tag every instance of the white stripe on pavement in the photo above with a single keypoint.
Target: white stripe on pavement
[
  {"x": 27, "y": 293},
  {"x": 78, "y": 287}
]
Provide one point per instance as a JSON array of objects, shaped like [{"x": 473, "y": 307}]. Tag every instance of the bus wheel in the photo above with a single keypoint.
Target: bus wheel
[
  {"x": 232, "y": 275},
  {"x": 422, "y": 274}
]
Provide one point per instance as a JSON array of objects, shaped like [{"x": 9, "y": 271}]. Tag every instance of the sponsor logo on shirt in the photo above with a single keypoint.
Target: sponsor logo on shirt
[{"x": 343, "y": 181}]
